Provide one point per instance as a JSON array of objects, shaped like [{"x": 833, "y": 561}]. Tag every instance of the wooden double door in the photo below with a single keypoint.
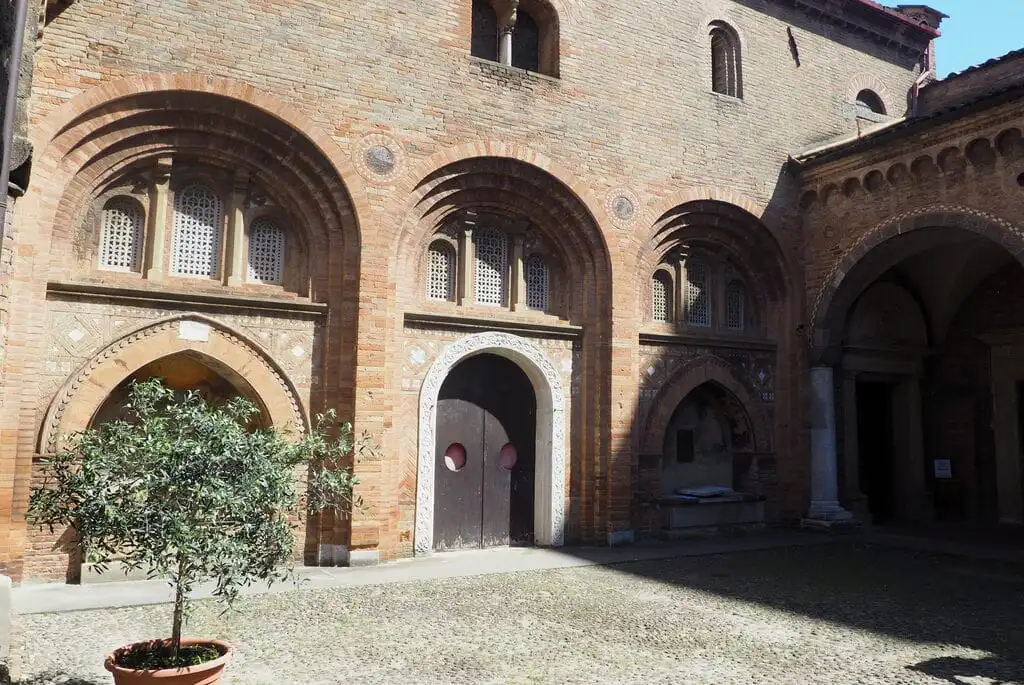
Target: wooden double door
[{"x": 484, "y": 456}]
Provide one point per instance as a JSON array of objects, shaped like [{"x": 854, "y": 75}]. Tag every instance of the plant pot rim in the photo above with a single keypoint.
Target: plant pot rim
[{"x": 223, "y": 647}]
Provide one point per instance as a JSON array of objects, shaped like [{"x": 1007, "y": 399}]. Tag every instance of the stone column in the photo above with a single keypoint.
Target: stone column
[
  {"x": 517, "y": 284},
  {"x": 506, "y": 27},
  {"x": 465, "y": 267},
  {"x": 855, "y": 498},
  {"x": 234, "y": 262},
  {"x": 825, "y": 509},
  {"x": 156, "y": 247},
  {"x": 678, "y": 296}
]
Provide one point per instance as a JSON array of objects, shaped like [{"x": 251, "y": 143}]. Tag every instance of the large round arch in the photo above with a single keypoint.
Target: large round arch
[
  {"x": 550, "y": 481},
  {"x": 902, "y": 236},
  {"x": 224, "y": 350}
]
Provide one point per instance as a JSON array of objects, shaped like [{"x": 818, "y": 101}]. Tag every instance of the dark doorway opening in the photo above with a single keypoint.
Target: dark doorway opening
[
  {"x": 485, "y": 456},
  {"x": 876, "y": 446}
]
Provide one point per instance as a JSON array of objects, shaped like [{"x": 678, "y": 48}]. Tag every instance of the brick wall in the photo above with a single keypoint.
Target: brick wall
[{"x": 630, "y": 115}]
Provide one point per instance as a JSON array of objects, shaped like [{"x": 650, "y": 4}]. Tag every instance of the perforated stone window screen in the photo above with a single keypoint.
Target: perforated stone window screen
[
  {"x": 538, "y": 278},
  {"x": 735, "y": 306},
  {"x": 698, "y": 300},
  {"x": 121, "y": 236},
  {"x": 198, "y": 217},
  {"x": 266, "y": 252},
  {"x": 659, "y": 299},
  {"x": 441, "y": 272},
  {"x": 491, "y": 266}
]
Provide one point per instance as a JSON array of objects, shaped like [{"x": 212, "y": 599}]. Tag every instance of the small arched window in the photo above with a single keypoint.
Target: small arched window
[
  {"x": 869, "y": 100},
  {"x": 537, "y": 282},
  {"x": 485, "y": 31},
  {"x": 661, "y": 298},
  {"x": 198, "y": 219},
  {"x": 266, "y": 252},
  {"x": 121, "y": 236},
  {"x": 698, "y": 295},
  {"x": 526, "y": 43},
  {"x": 441, "y": 271},
  {"x": 735, "y": 306},
  {"x": 726, "y": 66},
  {"x": 491, "y": 266}
]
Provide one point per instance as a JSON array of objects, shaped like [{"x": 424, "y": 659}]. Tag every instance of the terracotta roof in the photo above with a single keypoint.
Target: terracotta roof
[
  {"x": 827, "y": 152},
  {"x": 896, "y": 14},
  {"x": 984, "y": 65}
]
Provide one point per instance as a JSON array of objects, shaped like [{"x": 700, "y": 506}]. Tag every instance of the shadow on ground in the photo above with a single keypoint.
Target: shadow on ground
[
  {"x": 916, "y": 596},
  {"x": 966, "y": 671}
]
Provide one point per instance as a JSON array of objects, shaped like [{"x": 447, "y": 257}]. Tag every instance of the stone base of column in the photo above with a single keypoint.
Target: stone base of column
[{"x": 828, "y": 516}]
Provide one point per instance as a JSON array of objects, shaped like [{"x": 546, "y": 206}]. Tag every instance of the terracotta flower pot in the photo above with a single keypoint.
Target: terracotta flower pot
[{"x": 208, "y": 673}]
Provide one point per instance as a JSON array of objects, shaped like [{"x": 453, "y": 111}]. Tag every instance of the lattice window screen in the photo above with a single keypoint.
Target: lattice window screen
[
  {"x": 735, "y": 306},
  {"x": 266, "y": 252},
  {"x": 441, "y": 272},
  {"x": 198, "y": 218},
  {"x": 538, "y": 277},
  {"x": 491, "y": 266},
  {"x": 698, "y": 300},
  {"x": 659, "y": 299},
  {"x": 121, "y": 236}
]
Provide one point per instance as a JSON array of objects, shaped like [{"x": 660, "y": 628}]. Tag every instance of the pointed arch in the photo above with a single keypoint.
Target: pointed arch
[
  {"x": 222, "y": 348},
  {"x": 691, "y": 375}
]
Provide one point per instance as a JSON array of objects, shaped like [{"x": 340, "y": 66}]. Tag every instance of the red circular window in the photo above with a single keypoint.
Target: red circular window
[
  {"x": 455, "y": 457},
  {"x": 507, "y": 456}
]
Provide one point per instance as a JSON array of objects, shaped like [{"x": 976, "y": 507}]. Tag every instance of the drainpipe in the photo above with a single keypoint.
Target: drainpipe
[{"x": 11, "y": 105}]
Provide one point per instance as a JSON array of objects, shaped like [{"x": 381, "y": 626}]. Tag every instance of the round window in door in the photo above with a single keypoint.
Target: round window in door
[
  {"x": 507, "y": 457},
  {"x": 455, "y": 457}
]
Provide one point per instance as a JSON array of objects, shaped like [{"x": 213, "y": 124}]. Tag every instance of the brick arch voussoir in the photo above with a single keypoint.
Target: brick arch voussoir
[
  {"x": 47, "y": 135},
  {"x": 976, "y": 221},
  {"x": 647, "y": 226},
  {"x": 84, "y": 392},
  {"x": 407, "y": 186},
  {"x": 687, "y": 378}
]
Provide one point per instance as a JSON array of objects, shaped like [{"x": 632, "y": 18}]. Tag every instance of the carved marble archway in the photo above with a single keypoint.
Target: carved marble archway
[{"x": 549, "y": 481}]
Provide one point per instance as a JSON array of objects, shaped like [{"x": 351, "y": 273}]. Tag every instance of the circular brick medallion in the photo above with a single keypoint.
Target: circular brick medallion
[
  {"x": 622, "y": 206},
  {"x": 378, "y": 157}
]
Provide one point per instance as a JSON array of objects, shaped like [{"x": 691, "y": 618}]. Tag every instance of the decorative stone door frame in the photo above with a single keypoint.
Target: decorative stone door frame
[{"x": 549, "y": 480}]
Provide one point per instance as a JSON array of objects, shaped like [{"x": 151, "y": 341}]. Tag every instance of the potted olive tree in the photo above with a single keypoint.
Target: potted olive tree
[{"x": 192, "y": 491}]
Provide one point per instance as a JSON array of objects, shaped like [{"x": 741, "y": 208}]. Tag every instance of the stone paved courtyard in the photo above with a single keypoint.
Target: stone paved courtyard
[{"x": 845, "y": 612}]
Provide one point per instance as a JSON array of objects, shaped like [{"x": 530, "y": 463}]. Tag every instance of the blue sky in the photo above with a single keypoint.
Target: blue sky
[{"x": 977, "y": 30}]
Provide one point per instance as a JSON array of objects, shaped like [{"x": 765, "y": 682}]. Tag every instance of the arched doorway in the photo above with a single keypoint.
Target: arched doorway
[
  {"x": 549, "y": 425},
  {"x": 485, "y": 455}
]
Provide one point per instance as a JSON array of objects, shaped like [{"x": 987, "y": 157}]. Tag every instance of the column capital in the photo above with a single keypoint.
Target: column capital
[
  {"x": 507, "y": 16},
  {"x": 162, "y": 170}
]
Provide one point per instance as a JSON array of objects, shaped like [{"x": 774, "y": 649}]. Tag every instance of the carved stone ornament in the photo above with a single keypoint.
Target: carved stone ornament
[
  {"x": 378, "y": 157},
  {"x": 549, "y": 502},
  {"x": 622, "y": 206}
]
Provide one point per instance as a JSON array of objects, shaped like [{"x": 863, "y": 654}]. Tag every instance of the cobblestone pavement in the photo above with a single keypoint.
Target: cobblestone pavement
[{"x": 838, "y": 613}]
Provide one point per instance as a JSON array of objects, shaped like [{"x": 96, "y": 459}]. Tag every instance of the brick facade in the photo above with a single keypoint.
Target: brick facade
[{"x": 365, "y": 128}]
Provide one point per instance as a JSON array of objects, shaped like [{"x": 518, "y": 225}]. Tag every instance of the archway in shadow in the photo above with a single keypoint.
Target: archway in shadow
[{"x": 183, "y": 372}]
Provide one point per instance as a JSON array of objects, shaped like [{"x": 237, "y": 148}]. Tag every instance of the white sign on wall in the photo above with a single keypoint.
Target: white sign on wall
[
  {"x": 193, "y": 330},
  {"x": 943, "y": 469}
]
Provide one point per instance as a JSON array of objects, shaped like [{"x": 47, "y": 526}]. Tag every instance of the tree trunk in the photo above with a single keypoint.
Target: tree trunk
[{"x": 179, "y": 610}]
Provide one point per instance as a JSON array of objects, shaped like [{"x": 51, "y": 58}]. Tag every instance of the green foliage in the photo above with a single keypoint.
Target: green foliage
[
  {"x": 192, "y": 492},
  {"x": 157, "y": 654}
]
